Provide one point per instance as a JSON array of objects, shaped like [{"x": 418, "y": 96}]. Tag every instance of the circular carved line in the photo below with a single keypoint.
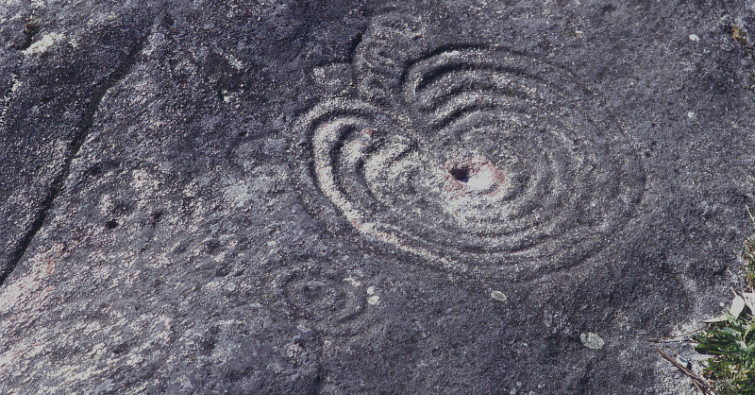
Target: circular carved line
[
  {"x": 494, "y": 162},
  {"x": 335, "y": 303}
]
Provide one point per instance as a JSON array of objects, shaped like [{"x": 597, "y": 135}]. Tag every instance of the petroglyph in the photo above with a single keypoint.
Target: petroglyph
[
  {"x": 478, "y": 158},
  {"x": 333, "y": 302}
]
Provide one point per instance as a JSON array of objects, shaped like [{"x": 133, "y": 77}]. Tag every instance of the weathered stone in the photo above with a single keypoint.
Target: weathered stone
[{"x": 303, "y": 197}]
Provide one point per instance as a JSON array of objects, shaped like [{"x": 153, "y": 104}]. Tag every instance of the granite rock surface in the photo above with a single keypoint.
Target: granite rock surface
[{"x": 367, "y": 197}]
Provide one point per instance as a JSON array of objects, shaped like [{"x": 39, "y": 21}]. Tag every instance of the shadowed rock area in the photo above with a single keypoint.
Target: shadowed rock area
[{"x": 367, "y": 197}]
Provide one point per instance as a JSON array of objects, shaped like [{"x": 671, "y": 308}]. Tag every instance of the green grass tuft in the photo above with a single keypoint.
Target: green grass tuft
[
  {"x": 732, "y": 346},
  {"x": 731, "y": 343},
  {"x": 748, "y": 255}
]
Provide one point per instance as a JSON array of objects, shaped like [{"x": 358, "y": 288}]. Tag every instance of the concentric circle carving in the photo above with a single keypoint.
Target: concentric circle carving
[
  {"x": 484, "y": 160},
  {"x": 333, "y": 302}
]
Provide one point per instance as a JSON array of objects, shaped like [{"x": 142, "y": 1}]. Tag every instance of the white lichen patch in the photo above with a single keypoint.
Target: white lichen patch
[
  {"x": 372, "y": 299},
  {"x": 592, "y": 340},
  {"x": 44, "y": 43},
  {"x": 498, "y": 295}
]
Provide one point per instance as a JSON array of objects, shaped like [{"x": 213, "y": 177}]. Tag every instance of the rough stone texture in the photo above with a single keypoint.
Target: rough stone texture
[{"x": 323, "y": 197}]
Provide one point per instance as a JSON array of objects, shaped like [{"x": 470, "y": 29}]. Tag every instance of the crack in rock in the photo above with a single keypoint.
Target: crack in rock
[{"x": 84, "y": 126}]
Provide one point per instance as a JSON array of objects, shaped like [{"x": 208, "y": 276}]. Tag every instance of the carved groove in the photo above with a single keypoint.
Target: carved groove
[
  {"x": 333, "y": 302},
  {"x": 548, "y": 178}
]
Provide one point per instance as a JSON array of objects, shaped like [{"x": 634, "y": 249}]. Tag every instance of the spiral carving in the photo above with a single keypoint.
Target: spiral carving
[{"x": 480, "y": 160}]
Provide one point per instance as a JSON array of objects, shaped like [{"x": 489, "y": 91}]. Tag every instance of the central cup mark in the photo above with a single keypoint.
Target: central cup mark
[
  {"x": 477, "y": 175},
  {"x": 460, "y": 173}
]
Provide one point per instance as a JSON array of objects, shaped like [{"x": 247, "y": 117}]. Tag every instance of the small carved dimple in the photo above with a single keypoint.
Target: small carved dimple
[
  {"x": 460, "y": 173},
  {"x": 112, "y": 224}
]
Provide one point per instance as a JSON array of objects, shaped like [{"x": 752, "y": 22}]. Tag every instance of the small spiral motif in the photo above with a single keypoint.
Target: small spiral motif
[
  {"x": 333, "y": 302},
  {"x": 487, "y": 161}
]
